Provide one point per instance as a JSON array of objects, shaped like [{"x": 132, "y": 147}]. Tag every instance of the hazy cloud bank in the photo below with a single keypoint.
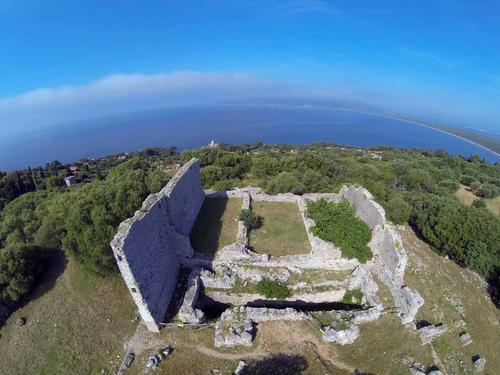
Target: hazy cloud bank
[{"x": 127, "y": 93}]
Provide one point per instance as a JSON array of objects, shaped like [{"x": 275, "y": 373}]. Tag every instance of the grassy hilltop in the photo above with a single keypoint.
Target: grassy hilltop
[{"x": 57, "y": 270}]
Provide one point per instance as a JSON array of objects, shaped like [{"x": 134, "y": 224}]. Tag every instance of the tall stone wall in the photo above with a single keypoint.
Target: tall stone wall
[{"x": 148, "y": 246}]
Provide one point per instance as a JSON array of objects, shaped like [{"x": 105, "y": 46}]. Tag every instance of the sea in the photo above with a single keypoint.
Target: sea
[{"x": 192, "y": 127}]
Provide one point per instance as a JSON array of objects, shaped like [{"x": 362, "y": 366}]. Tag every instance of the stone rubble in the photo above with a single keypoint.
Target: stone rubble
[{"x": 234, "y": 328}]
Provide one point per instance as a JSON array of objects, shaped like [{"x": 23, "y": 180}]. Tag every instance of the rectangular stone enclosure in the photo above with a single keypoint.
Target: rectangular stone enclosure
[{"x": 149, "y": 246}]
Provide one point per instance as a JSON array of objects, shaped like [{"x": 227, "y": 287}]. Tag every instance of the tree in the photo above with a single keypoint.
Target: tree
[
  {"x": 54, "y": 182},
  {"x": 17, "y": 272},
  {"x": 250, "y": 220},
  {"x": 398, "y": 209},
  {"x": 284, "y": 182}
]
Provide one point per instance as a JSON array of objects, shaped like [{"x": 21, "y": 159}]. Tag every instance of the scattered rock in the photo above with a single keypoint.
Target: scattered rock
[
  {"x": 153, "y": 361},
  {"x": 465, "y": 339},
  {"x": 21, "y": 321},
  {"x": 240, "y": 370},
  {"x": 429, "y": 333},
  {"x": 479, "y": 363},
  {"x": 265, "y": 257}
]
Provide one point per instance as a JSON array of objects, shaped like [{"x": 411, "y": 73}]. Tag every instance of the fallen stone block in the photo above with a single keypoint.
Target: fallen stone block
[
  {"x": 479, "y": 363},
  {"x": 187, "y": 312},
  {"x": 429, "y": 333},
  {"x": 465, "y": 339},
  {"x": 342, "y": 337}
]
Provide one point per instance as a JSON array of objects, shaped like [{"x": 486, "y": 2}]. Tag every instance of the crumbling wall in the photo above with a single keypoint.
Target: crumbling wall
[
  {"x": 148, "y": 247},
  {"x": 366, "y": 208},
  {"x": 390, "y": 257}
]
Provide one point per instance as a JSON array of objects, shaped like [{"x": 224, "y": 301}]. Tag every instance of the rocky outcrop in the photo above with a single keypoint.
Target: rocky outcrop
[
  {"x": 429, "y": 333},
  {"x": 148, "y": 247},
  {"x": 187, "y": 312}
]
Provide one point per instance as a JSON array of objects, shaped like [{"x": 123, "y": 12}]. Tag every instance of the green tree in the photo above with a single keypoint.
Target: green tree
[
  {"x": 284, "y": 182},
  {"x": 398, "y": 209}
]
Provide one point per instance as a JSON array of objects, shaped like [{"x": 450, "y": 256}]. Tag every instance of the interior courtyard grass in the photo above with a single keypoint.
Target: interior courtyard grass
[
  {"x": 283, "y": 231},
  {"x": 216, "y": 225}
]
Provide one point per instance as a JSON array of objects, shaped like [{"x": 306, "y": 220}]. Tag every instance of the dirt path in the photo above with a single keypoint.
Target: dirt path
[{"x": 228, "y": 356}]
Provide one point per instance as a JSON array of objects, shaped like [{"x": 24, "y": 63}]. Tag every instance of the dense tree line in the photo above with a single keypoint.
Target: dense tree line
[{"x": 81, "y": 221}]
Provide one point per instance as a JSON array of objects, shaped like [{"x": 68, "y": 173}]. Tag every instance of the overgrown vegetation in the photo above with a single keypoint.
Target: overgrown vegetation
[
  {"x": 338, "y": 224},
  {"x": 272, "y": 289}
]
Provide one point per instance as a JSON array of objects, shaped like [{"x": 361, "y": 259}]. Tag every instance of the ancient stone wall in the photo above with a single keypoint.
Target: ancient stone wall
[{"x": 149, "y": 246}]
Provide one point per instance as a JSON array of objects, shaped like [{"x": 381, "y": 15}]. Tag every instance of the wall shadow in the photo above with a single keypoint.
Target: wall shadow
[
  {"x": 305, "y": 306},
  {"x": 52, "y": 264},
  {"x": 208, "y": 226},
  {"x": 279, "y": 364}
]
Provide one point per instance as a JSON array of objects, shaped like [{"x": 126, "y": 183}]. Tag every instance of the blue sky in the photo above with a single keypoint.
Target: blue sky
[{"x": 65, "y": 60}]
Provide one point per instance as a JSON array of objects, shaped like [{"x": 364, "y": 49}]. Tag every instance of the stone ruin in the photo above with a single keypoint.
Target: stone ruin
[{"x": 151, "y": 247}]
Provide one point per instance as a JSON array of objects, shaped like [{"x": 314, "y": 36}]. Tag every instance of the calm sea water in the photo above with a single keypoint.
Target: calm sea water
[{"x": 191, "y": 127}]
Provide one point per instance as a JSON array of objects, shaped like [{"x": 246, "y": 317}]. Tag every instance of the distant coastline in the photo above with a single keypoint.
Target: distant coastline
[{"x": 429, "y": 126}]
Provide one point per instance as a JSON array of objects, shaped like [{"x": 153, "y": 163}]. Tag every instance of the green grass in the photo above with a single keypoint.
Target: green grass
[
  {"x": 353, "y": 296},
  {"x": 467, "y": 197},
  {"x": 314, "y": 276},
  {"x": 455, "y": 297},
  {"x": 494, "y": 205},
  {"x": 77, "y": 325},
  {"x": 283, "y": 231},
  {"x": 216, "y": 225}
]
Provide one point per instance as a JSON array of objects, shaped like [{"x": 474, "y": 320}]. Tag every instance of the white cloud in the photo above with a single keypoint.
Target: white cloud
[{"x": 127, "y": 93}]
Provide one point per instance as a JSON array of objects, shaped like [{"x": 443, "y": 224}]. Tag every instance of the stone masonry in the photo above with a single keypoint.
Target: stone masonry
[{"x": 149, "y": 246}]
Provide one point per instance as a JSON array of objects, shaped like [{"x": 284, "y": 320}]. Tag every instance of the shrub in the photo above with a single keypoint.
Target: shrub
[
  {"x": 398, "y": 209},
  {"x": 272, "y": 289},
  {"x": 467, "y": 179},
  {"x": 353, "y": 296},
  {"x": 250, "y": 220},
  {"x": 467, "y": 234},
  {"x": 338, "y": 224},
  {"x": 284, "y": 182},
  {"x": 17, "y": 272}
]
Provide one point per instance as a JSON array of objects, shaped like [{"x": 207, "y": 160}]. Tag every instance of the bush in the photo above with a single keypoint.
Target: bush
[
  {"x": 467, "y": 234},
  {"x": 272, "y": 289},
  {"x": 338, "y": 224},
  {"x": 284, "y": 182},
  {"x": 398, "y": 209},
  {"x": 467, "y": 179},
  {"x": 250, "y": 220},
  {"x": 17, "y": 272}
]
